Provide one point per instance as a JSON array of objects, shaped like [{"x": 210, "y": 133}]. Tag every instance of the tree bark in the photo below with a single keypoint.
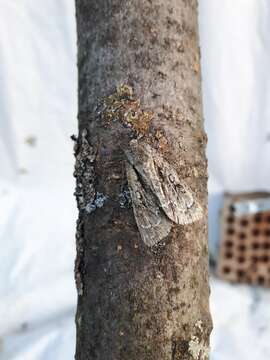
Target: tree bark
[{"x": 139, "y": 83}]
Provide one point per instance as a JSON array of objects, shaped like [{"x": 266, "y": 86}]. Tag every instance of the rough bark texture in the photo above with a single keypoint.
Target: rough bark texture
[{"x": 139, "y": 78}]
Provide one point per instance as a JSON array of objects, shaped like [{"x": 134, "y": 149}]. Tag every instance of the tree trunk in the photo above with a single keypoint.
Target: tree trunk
[{"x": 142, "y": 260}]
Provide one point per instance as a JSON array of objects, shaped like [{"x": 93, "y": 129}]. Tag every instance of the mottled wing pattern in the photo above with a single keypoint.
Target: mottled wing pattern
[
  {"x": 152, "y": 223},
  {"x": 174, "y": 195}
]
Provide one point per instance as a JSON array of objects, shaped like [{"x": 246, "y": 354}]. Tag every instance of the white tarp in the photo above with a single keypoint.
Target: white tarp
[
  {"x": 37, "y": 210},
  {"x": 235, "y": 47}
]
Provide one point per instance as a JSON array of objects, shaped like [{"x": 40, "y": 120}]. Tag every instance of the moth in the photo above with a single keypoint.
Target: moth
[{"x": 159, "y": 197}]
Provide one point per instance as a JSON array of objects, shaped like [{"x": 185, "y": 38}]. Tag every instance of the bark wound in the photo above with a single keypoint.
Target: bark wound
[{"x": 123, "y": 106}]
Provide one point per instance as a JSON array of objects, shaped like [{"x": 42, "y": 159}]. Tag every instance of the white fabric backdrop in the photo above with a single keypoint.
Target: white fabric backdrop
[
  {"x": 235, "y": 47},
  {"x": 37, "y": 211}
]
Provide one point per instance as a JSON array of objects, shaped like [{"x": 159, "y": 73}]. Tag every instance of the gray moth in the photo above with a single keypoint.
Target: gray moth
[{"x": 159, "y": 197}]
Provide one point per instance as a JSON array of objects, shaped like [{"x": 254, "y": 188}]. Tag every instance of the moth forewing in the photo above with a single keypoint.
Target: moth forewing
[
  {"x": 179, "y": 202},
  {"x": 173, "y": 194},
  {"x": 152, "y": 223}
]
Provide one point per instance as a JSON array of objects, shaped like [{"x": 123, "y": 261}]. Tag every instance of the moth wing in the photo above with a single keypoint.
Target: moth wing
[
  {"x": 174, "y": 195},
  {"x": 152, "y": 223}
]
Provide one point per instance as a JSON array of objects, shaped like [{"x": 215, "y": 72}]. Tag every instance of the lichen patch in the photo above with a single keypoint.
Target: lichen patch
[
  {"x": 85, "y": 194},
  {"x": 84, "y": 171},
  {"x": 124, "y": 199},
  {"x": 97, "y": 203},
  {"x": 198, "y": 349}
]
